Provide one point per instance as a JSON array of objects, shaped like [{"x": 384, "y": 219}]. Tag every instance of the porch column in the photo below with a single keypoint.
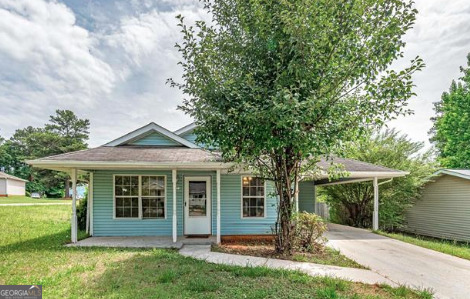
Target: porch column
[
  {"x": 90, "y": 203},
  {"x": 218, "y": 206},
  {"x": 74, "y": 205},
  {"x": 174, "y": 180},
  {"x": 375, "y": 218}
]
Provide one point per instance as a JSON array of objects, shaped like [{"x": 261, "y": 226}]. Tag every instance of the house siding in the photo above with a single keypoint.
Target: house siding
[
  {"x": 105, "y": 225},
  {"x": 155, "y": 139},
  {"x": 307, "y": 196},
  {"x": 231, "y": 221},
  {"x": 3, "y": 187},
  {"x": 443, "y": 210},
  {"x": 191, "y": 137}
]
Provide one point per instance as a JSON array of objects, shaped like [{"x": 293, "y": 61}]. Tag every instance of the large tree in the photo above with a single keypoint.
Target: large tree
[
  {"x": 352, "y": 204},
  {"x": 65, "y": 132},
  {"x": 276, "y": 84},
  {"x": 451, "y": 130}
]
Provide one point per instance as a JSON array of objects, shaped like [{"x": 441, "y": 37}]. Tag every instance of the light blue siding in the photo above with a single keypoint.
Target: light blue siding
[
  {"x": 105, "y": 225},
  {"x": 232, "y": 222},
  {"x": 155, "y": 138},
  {"x": 307, "y": 196},
  {"x": 191, "y": 137}
]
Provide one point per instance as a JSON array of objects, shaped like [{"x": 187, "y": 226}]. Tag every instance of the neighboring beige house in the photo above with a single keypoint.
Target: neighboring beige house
[
  {"x": 11, "y": 185},
  {"x": 444, "y": 208}
]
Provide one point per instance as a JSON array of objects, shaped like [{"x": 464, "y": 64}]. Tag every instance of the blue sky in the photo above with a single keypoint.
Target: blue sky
[{"x": 108, "y": 61}]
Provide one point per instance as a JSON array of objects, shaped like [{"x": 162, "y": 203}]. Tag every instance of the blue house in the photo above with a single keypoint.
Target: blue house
[{"x": 154, "y": 182}]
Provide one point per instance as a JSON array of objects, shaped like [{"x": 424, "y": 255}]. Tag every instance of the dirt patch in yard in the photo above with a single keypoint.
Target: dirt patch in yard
[{"x": 326, "y": 256}]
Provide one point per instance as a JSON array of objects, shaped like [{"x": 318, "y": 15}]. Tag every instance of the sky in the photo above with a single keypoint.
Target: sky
[{"x": 108, "y": 61}]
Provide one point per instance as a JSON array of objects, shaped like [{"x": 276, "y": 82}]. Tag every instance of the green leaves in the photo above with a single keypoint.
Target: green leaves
[
  {"x": 353, "y": 203},
  {"x": 305, "y": 74},
  {"x": 65, "y": 132},
  {"x": 275, "y": 83},
  {"x": 451, "y": 129}
]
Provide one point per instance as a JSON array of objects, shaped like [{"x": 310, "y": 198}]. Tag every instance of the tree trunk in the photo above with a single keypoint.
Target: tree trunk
[
  {"x": 286, "y": 177},
  {"x": 67, "y": 188}
]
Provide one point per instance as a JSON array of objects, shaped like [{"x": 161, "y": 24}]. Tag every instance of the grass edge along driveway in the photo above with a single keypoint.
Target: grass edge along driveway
[
  {"x": 32, "y": 252},
  {"x": 458, "y": 249}
]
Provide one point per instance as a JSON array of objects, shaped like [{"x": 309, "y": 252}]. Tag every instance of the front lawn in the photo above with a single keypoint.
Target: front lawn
[
  {"x": 26, "y": 199},
  {"x": 328, "y": 257},
  {"x": 457, "y": 249},
  {"x": 32, "y": 252}
]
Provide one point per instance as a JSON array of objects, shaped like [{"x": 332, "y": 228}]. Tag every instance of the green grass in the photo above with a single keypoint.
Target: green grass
[
  {"x": 330, "y": 257},
  {"x": 457, "y": 249},
  {"x": 26, "y": 199},
  {"x": 32, "y": 252}
]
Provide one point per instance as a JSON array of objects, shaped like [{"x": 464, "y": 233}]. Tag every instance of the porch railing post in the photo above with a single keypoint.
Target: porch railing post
[
  {"x": 218, "y": 206},
  {"x": 74, "y": 205},
  {"x": 174, "y": 180},
  {"x": 90, "y": 202}
]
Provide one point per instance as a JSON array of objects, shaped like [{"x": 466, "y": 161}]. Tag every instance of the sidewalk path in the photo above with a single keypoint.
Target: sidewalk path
[{"x": 203, "y": 252}]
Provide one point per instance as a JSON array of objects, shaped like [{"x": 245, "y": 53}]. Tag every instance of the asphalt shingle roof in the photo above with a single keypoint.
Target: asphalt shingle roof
[
  {"x": 138, "y": 154},
  {"x": 150, "y": 154},
  {"x": 10, "y": 177}
]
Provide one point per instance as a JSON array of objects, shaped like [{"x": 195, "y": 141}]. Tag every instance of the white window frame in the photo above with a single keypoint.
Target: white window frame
[
  {"x": 140, "y": 197},
  {"x": 241, "y": 198}
]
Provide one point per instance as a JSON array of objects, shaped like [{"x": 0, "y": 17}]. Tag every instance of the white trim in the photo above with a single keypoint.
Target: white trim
[
  {"x": 451, "y": 172},
  {"x": 346, "y": 182},
  {"x": 90, "y": 198},
  {"x": 140, "y": 217},
  {"x": 174, "y": 181},
  {"x": 241, "y": 199},
  {"x": 208, "y": 180},
  {"x": 147, "y": 129},
  {"x": 375, "y": 216},
  {"x": 65, "y": 165},
  {"x": 218, "y": 206},
  {"x": 186, "y": 129}
]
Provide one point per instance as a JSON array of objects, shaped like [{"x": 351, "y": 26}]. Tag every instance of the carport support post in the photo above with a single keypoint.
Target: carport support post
[
  {"x": 375, "y": 218},
  {"x": 218, "y": 206},
  {"x": 74, "y": 205},
  {"x": 174, "y": 180}
]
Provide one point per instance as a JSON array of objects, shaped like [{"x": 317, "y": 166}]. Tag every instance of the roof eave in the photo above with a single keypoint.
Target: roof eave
[
  {"x": 55, "y": 165},
  {"x": 142, "y": 131},
  {"x": 450, "y": 172}
]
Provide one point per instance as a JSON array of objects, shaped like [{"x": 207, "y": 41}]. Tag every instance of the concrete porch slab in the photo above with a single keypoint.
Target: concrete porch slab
[{"x": 142, "y": 242}]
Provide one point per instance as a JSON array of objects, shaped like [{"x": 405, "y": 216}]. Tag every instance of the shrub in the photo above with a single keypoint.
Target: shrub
[
  {"x": 81, "y": 212},
  {"x": 309, "y": 229}
]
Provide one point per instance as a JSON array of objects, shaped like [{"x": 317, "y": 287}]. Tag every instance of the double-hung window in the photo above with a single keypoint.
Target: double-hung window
[
  {"x": 139, "y": 196},
  {"x": 253, "y": 197}
]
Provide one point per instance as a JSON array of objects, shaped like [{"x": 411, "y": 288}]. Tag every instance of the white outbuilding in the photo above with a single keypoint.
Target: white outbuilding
[{"x": 11, "y": 185}]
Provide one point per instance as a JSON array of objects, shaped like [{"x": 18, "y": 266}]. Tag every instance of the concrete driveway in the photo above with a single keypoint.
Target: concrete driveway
[{"x": 403, "y": 263}]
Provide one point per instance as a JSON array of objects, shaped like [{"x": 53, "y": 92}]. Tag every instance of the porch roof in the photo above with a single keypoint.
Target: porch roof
[{"x": 148, "y": 157}]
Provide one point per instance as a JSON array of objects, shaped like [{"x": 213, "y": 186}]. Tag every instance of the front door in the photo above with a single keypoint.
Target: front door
[{"x": 197, "y": 205}]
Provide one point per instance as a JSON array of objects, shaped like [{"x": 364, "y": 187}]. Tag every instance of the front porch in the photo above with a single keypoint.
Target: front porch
[{"x": 143, "y": 242}]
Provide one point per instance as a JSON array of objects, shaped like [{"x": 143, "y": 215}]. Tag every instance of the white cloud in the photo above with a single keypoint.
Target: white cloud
[
  {"x": 441, "y": 36},
  {"x": 109, "y": 61},
  {"x": 41, "y": 45}
]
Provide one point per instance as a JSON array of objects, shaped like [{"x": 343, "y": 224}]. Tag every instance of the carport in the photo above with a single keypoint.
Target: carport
[{"x": 357, "y": 171}]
